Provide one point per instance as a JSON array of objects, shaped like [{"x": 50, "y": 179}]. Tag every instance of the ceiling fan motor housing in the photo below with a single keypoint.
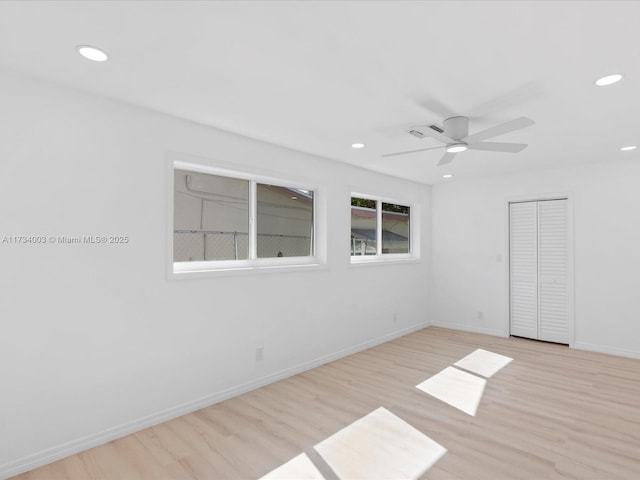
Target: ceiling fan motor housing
[{"x": 456, "y": 127}]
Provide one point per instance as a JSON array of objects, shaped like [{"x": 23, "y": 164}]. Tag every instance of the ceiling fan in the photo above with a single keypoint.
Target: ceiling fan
[{"x": 455, "y": 136}]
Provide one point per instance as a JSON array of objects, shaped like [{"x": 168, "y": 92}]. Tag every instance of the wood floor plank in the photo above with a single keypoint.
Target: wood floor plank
[{"x": 551, "y": 413}]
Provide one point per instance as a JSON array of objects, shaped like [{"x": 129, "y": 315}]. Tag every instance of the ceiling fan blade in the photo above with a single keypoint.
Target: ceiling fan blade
[
  {"x": 446, "y": 158},
  {"x": 427, "y": 131},
  {"x": 498, "y": 147},
  {"x": 411, "y": 151},
  {"x": 501, "y": 129}
]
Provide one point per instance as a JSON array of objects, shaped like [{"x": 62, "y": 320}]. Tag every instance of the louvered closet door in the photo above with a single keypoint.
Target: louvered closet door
[
  {"x": 523, "y": 244},
  {"x": 539, "y": 275},
  {"x": 553, "y": 271}
]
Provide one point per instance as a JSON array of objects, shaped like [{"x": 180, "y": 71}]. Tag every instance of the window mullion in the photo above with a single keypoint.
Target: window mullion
[
  {"x": 253, "y": 215},
  {"x": 378, "y": 228},
  {"x": 410, "y": 234},
  {"x": 312, "y": 244}
]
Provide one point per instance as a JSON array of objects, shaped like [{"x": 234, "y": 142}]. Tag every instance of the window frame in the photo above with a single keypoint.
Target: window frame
[
  {"x": 253, "y": 263},
  {"x": 413, "y": 254}
]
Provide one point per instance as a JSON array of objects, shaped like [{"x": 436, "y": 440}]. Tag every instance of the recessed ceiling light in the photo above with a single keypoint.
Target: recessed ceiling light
[
  {"x": 456, "y": 148},
  {"x": 447, "y": 175},
  {"x": 92, "y": 53},
  {"x": 630, "y": 147},
  {"x": 357, "y": 145},
  {"x": 609, "y": 80},
  {"x": 294, "y": 198}
]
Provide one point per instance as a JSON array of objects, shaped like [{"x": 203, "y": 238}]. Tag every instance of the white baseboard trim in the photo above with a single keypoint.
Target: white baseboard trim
[
  {"x": 470, "y": 328},
  {"x": 620, "y": 352},
  {"x": 58, "y": 452}
]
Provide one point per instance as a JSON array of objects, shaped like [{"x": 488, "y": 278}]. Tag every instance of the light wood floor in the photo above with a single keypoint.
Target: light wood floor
[{"x": 552, "y": 413}]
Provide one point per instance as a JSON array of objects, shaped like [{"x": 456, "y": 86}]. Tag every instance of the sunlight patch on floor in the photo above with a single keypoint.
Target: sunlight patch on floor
[
  {"x": 298, "y": 468},
  {"x": 379, "y": 446},
  {"x": 459, "y": 389},
  {"x": 483, "y": 362}
]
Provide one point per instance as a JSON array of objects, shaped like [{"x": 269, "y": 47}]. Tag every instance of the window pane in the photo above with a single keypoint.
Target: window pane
[
  {"x": 211, "y": 217},
  {"x": 363, "y": 226},
  {"x": 395, "y": 228},
  {"x": 285, "y": 221}
]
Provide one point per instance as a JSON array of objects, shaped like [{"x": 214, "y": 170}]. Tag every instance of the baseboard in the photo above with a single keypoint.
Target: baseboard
[
  {"x": 58, "y": 452},
  {"x": 471, "y": 328},
  {"x": 620, "y": 352}
]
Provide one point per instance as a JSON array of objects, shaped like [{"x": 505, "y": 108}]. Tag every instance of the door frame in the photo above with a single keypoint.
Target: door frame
[{"x": 570, "y": 253}]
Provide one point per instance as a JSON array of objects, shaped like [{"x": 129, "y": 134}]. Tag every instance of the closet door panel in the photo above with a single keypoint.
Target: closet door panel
[
  {"x": 553, "y": 274},
  {"x": 523, "y": 255}
]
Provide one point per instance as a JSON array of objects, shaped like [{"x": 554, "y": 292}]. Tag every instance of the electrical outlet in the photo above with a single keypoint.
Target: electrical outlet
[
  {"x": 259, "y": 354},
  {"x": 480, "y": 315},
  {"x": 395, "y": 317}
]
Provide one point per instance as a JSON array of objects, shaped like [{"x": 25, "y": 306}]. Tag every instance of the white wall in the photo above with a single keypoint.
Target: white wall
[
  {"x": 95, "y": 341},
  {"x": 469, "y": 224}
]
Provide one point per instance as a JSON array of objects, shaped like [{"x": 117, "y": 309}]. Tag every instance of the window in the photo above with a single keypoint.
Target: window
[
  {"x": 364, "y": 219},
  {"x": 395, "y": 228},
  {"x": 285, "y": 221},
  {"x": 210, "y": 217},
  {"x": 379, "y": 228},
  {"x": 213, "y": 227}
]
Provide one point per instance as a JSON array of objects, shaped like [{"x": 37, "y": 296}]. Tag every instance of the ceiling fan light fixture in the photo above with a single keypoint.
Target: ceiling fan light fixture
[
  {"x": 630, "y": 147},
  {"x": 92, "y": 53},
  {"x": 456, "y": 148},
  {"x": 609, "y": 79}
]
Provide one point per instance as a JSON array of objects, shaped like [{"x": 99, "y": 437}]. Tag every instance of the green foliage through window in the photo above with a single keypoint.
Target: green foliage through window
[
  {"x": 395, "y": 208},
  {"x": 363, "y": 202}
]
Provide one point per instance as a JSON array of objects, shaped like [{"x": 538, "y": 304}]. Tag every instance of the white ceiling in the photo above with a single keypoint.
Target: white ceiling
[{"x": 319, "y": 76}]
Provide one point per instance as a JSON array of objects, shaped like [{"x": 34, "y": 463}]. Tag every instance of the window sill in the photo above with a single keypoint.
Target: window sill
[
  {"x": 385, "y": 260},
  {"x": 183, "y": 271}
]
